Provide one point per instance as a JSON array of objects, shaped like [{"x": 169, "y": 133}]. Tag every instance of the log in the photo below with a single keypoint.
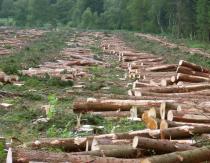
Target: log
[
  {"x": 67, "y": 144},
  {"x": 98, "y": 105},
  {"x": 120, "y": 152},
  {"x": 139, "y": 111},
  {"x": 179, "y": 124},
  {"x": 98, "y": 144},
  {"x": 175, "y": 89},
  {"x": 191, "y": 78},
  {"x": 189, "y": 71},
  {"x": 163, "y": 68},
  {"x": 24, "y": 156},
  {"x": 116, "y": 114},
  {"x": 193, "y": 66},
  {"x": 183, "y": 132},
  {"x": 181, "y": 116},
  {"x": 160, "y": 146},
  {"x": 190, "y": 156}
]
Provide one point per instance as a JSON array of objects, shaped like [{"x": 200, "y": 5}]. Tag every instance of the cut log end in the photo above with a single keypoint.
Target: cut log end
[
  {"x": 152, "y": 123},
  {"x": 170, "y": 116},
  {"x": 135, "y": 142}
]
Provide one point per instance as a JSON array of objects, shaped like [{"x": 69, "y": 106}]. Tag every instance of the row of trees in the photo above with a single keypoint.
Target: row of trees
[{"x": 183, "y": 18}]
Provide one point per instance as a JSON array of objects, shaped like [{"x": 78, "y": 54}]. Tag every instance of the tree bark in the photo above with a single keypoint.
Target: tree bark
[
  {"x": 24, "y": 156},
  {"x": 190, "y": 156},
  {"x": 182, "y": 116},
  {"x": 123, "y": 152},
  {"x": 160, "y": 146},
  {"x": 163, "y": 68},
  {"x": 191, "y": 78},
  {"x": 176, "y": 89},
  {"x": 98, "y": 105},
  {"x": 67, "y": 144},
  {"x": 189, "y": 71},
  {"x": 193, "y": 66},
  {"x": 183, "y": 132},
  {"x": 112, "y": 114}
]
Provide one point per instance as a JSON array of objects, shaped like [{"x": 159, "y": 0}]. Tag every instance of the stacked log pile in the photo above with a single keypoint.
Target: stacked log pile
[
  {"x": 168, "y": 44},
  {"x": 171, "y": 99},
  {"x": 12, "y": 39}
]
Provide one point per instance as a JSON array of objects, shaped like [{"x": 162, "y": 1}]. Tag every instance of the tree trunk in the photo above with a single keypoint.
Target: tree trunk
[
  {"x": 123, "y": 152},
  {"x": 160, "y": 146},
  {"x": 112, "y": 114},
  {"x": 98, "y": 105},
  {"x": 67, "y": 144},
  {"x": 24, "y": 156},
  {"x": 179, "y": 124},
  {"x": 191, "y": 78},
  {"x": 193, "y": 66},
  {"x": 163, "y": 68},
  {"x": 183, "y": 132},
  {"x": 172, "y": 89},
  {"x": 189, "y": 71},
  {"x": 190, "y": 156},
  {"x": 190, "y": 117}
]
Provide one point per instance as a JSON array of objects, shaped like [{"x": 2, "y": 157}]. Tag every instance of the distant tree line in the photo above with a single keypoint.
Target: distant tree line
[{"x": 183, "y": 18}]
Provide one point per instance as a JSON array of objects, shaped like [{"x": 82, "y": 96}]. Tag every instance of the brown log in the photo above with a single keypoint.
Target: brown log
[
  {"x": 139, "y": 111},
  {"x": 67, "y": 144},
  {"x": 193, "y": 66},
  {"x": 190, "y": 156},
  {"x": 98, "y": 105},
  {"x": 24, "y": 156},
  {"x": 141, "y": 84},
  {"x": 183, "y": 132},
  {"x": 191, "y": 78},
  {"x": 160, "y": 146},
  {"x": 120, "y": 152},
  {"x": 138, "y": 94},
  {"x": 130, "y": 135},
  {"x": 99, "y": 144},
  {"x": 189, "y": 71},
  {"x": 179, "y": 124},
  {"x": 163, "y": 68},
  {"x": 116, "y": 114},
  {"x": 190, "y": 117},
  {"x": 175, "y": 89}
]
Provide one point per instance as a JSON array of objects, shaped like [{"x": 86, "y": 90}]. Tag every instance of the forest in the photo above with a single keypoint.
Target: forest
[{"x": 182, "y": 18}]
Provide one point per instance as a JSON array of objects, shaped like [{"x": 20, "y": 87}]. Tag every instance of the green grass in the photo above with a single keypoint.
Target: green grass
[{"x": 46, "y": 48}]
